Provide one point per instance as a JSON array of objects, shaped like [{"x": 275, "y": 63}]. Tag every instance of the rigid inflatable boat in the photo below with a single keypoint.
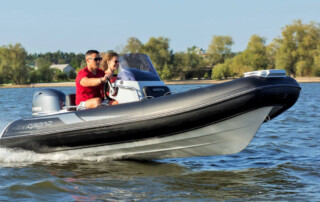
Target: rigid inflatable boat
[{"x": 151, "y": 122}]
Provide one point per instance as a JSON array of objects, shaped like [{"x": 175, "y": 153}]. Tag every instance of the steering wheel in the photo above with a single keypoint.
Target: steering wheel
[{"x": 108, "y": 90}]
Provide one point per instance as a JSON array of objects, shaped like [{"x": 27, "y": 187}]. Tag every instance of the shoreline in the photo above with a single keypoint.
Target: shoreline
[{"x": 171, "y": 82}]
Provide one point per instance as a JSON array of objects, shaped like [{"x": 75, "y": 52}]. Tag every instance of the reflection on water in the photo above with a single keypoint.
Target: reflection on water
[
  {"x": 147, "y": 180},
  {"x": 281, "y": 164}
]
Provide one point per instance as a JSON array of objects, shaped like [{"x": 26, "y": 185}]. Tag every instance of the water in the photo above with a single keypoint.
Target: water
[{"x": 282, "y": 163}]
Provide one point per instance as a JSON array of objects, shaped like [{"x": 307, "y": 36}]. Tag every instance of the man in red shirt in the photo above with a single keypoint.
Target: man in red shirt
[{"x": 89, "y": 82}]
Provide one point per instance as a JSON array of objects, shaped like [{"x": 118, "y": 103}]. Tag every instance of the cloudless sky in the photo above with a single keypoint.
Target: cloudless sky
[{"x": 78, "y": 25}]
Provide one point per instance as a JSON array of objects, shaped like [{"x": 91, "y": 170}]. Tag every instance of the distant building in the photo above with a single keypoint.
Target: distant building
[
  {"x": 200, "y": 51},
  {"x": 66, "y": 68}
]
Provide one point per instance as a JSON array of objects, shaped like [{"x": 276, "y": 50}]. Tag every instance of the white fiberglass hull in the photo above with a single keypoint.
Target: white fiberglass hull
[{"x": 226, "y": 137}]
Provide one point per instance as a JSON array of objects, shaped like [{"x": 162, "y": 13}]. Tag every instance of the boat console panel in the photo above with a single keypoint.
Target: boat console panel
[{"x": 155, "y": 91}]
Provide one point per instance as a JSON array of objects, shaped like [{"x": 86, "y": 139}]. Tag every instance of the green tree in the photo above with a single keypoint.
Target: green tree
[
  {"x": 239, "y": 65},
  {"x": 34, "y": 76},
  {"x": 166, "y": 72},
  {"x": 77, "y": 60},
  {"x": 158, "y": 51},
  {"x": 255, "y": 54},
  {"x": 180, "y": 65},
  {"x": 58, "y": 57},
  {"x": 271, "y": 51},
  {"x": 134, "y": 45},
  {"x": 221, "y": 71},
  {"x": 45, "y": 73},
  {"x": 316, "y": 64},
  {"x": 82, "y": 65},
  {"x": 188, "y": 65},
  {"x": 72, "y": 75},
  {"x": 30, "y": 59},
  {"x": 194, "y": 62},
  {"x": 61, "y": 76},
  {"x": 219, "y": 49},
  {"x": 13, "y": 63},
  {"x": 297, "y": 48},
  {"x": 253, "y": 58},
  {"x": 206, "y": 75}
]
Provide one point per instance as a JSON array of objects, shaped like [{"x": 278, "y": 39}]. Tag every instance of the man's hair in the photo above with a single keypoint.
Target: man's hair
[{"x": 89, "y": 52}]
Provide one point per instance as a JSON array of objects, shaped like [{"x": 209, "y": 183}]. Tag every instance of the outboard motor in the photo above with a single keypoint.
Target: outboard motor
[{"x": 47, "y": 101}]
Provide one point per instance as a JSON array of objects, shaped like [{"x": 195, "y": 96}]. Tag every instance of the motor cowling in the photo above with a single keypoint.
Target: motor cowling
[{"x": 47, "y": 101}]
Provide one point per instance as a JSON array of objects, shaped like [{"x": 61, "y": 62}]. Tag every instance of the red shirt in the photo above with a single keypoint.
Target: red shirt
[{"x": 85, "y": 93}]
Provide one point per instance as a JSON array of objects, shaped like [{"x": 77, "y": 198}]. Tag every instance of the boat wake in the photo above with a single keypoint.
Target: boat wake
[{"x": 28, "y": 157}]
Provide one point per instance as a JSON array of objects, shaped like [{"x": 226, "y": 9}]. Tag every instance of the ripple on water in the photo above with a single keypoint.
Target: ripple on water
[{"x": 280, "y": 164}]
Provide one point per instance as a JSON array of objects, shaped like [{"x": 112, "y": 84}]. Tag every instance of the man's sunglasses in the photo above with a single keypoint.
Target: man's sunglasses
[{"x": 95, "y": 59}]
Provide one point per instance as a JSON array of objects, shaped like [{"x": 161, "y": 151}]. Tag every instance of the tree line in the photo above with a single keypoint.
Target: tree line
[
  {"x": 19, "y": 67},
  {"x": 297, "y": 51}
]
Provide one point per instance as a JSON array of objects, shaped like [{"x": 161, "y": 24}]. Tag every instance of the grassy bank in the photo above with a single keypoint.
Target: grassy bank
[{"x": 172, "y": 82}]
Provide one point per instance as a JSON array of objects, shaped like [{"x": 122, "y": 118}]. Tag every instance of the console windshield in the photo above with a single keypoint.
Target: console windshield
[{"x": 136, "y": 67}]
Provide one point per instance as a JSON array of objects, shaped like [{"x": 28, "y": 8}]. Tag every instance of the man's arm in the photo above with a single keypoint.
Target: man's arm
[{"x": 90, "y": 82}]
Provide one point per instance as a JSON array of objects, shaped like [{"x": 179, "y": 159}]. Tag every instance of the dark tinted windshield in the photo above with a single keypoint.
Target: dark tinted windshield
[{"x": 137, "y": 67}]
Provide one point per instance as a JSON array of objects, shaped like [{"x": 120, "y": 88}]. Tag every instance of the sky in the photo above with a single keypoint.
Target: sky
[{"x": 79, "y": 25}]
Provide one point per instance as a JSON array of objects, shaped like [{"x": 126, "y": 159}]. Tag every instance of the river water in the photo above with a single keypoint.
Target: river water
[{"x": 282, "y": 163}]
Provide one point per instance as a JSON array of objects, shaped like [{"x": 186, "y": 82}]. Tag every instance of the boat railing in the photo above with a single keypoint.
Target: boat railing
[
  {"x": 147, "y": 97},
  {"x": 71, "y": 107}
]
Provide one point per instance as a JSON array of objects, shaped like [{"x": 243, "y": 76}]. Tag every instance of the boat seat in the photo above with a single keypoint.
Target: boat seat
[
  {"x": 71, "y": 102},
  {"x": 155, "y": 91}
]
